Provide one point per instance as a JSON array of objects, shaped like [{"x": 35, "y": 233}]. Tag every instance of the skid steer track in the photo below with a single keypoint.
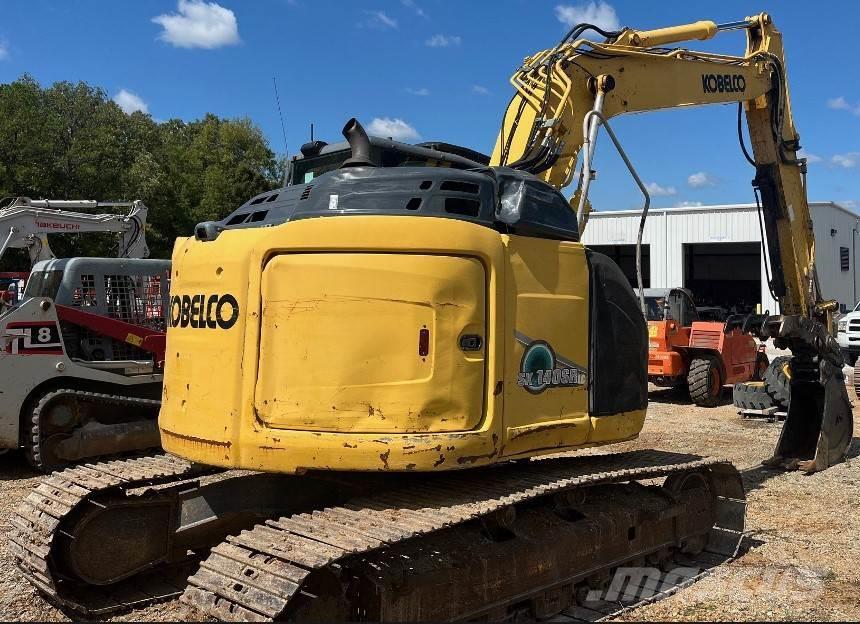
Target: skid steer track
[
  {"x": 43, "y": 443},
  {"x": 365, "y": 561}
]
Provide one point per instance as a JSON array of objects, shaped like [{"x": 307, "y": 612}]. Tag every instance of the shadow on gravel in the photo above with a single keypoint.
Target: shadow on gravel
[
  {"x": 13, "y": 465},
  {"x": 756, "y": 476},
  {"x": 680, "y": 396}
]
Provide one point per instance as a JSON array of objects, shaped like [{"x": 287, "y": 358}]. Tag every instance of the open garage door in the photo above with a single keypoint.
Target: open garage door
[
  {"x": 625, "y": 257},
  {"x": 725, "y": 278}
]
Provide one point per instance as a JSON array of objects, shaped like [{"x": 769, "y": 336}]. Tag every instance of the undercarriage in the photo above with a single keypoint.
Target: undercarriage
[{"x": 529, "y": 538}]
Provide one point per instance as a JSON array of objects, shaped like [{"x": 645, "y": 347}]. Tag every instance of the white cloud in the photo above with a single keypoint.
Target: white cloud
[
  {"x": 4, "y": 50},
  {"x": 849, "y": 160},
  {"x": 410, "y": 4},
  {"x": 701, "y": 179},
  {"x": 688, "y": 204},
  {"x": 423, "y": 91},
  {"x": 841, "y": 103},
  {"x": 599, "y": 13},
  {"x": 199, "y": 24},
  {"x": 377, "y": 19},
  {"x": 443, "y": 41},
  {"x": 480, "y": 90},
  {"x": 810, "y": 158},
  {"x": 130, "y": 102},
  {"x": 396, "y": 129},
  {"x": 656, "y": 190}
]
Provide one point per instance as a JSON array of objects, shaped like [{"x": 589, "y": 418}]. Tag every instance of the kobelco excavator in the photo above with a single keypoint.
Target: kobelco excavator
[{"x": 391, "y": 342}]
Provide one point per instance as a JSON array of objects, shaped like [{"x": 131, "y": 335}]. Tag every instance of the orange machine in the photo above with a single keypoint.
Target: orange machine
[{"x": 700, "y": 354}]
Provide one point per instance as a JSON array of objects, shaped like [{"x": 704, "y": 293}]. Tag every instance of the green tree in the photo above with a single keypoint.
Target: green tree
[{"x": 71, "y": 141}]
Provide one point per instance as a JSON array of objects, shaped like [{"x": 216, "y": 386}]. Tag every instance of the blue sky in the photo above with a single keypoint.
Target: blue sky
[{"x": 434, "y": 69}]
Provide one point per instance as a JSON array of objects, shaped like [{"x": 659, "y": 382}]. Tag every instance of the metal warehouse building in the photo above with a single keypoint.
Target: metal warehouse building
[{"x": 717, "y": 252}]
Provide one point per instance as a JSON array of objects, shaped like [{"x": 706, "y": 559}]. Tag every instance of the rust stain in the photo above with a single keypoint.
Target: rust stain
[
  {"x": 439, "y": 461},
  {"x": 197, "y": 440},
  {"x": 540, "y": 429},
  {"x": 471, "y": 459},
  {"x": 410, "y": 466},
  {"x": 348, "y": 445},
  {"x": 384, "y": 457}
]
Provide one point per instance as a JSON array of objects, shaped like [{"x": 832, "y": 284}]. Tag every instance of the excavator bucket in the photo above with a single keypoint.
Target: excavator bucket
[{"x": 819, "y": 426}]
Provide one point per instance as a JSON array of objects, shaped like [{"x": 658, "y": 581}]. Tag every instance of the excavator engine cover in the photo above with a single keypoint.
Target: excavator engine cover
[{"x": 387, "y": 319}]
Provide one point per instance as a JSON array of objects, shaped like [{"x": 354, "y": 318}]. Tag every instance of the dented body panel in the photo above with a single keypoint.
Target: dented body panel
[{"x": 366, "y": 343}]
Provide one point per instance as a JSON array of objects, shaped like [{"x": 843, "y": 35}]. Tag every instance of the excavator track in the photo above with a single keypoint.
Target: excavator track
[
  {"x": 364, "y": 561},
  {"x": 65, "y": 427},
  {"x": 38, "y": 529},
  {"x": 75, "y": 526}
]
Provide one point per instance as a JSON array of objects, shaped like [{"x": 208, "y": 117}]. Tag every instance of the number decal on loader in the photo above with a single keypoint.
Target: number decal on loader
[{"x": 33, "y": 338}]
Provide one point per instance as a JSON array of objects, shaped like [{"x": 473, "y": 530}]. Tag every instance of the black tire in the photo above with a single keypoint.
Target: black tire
[
  {"x": 705, "y": 381},
  {"x": 857, "y": 378},
  {"x": 751, "y": 395},
  {"x": 761, "y": 364},
  {"x": 777, "y": 381}
]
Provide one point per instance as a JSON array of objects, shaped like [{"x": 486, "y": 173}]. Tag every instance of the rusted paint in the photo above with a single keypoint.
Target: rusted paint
[
  {"x": 518, "y": 432},
  {"x": 384, "y": 457},
  {"x": 471, "y": 459},
  {"x": 439, "y": 461},
  {"x": 348, "y": 445},
  {"x": 189, "y": 438}
]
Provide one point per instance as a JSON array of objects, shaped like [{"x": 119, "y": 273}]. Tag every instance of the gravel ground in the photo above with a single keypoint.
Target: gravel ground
[{"x": 802, "y": 559}]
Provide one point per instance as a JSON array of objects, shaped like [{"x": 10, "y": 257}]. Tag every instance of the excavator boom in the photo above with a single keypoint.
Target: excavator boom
[{"x": 565, "y": 93}]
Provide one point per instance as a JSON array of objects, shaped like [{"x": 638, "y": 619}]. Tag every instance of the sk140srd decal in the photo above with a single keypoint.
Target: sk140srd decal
[
  {"x": 542, "y": 368},
  {"x": 204, "y": 311}
]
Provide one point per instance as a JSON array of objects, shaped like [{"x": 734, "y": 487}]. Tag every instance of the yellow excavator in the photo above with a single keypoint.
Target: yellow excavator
[{"x": 385, "y": 347}]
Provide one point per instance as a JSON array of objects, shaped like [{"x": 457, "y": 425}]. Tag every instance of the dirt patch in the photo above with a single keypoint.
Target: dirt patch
[{"x": 803, "y": 557}]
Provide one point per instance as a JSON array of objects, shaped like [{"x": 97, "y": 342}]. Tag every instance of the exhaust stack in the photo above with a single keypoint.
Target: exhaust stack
[{"x": 359, "y": 143}]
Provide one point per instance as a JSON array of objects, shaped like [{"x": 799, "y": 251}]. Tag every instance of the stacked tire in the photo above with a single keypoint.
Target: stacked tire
[
  {"x": 777, "y": 381},
  {"x": 751, "y": 395}
]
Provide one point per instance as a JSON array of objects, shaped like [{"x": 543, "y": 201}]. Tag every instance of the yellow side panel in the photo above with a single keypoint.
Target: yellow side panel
[
  {"x": 546, "y": 396},
  {"x": 370, "y": 342}
]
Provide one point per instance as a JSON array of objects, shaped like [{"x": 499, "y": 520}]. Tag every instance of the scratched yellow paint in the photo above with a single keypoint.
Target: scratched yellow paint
[
  {"x": 316, "y": 299},
  {"x": 547, "y": 301},
  {"x": 340, "y": 343}
]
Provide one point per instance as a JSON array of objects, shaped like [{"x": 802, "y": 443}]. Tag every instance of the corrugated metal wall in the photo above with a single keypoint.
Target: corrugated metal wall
[{"x": 667, "y": 230}]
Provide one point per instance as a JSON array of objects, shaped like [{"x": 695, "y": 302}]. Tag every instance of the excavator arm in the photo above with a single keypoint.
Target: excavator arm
[
  {"x": 25, "y": 224},
  {"x": 564, "y": 94}
]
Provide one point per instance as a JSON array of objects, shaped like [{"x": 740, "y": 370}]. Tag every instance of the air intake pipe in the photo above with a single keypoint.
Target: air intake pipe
[{"x": 359, "y": 143}]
